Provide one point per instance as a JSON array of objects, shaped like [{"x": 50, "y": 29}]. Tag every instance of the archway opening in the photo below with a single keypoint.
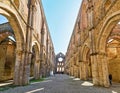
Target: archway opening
[
  {"x": 7, "y": 50},
  {"x": 33, "y": 58},
  {"x": 35, "y": 62},
  {"x": 113, "y": 53},
  {"x": 86, "y": 66}
]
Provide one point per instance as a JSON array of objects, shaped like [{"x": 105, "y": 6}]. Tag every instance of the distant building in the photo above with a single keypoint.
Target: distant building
[{"x": 60, "y": 62}]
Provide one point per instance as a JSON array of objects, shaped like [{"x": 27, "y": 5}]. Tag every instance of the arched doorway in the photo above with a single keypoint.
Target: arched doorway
[
  {"x": 33, "y": 58},
  {"x": 7, "y": 52},
  {"x": 15, "y": 24},
  {"x": 103, "y": 42},
  {"x": 113, "y": 53},
  {"x": 35, "y": 62},
  {"x": 87, "y": 66}
]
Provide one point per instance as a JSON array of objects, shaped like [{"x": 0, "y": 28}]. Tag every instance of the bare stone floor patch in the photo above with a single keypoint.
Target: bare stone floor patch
[{"x": 63, "y": 84}]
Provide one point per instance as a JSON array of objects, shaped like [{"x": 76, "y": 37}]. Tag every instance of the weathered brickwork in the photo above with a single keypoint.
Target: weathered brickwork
[
  {"x": 90, "y": 50},
  {"x": 34, "y": 51}
]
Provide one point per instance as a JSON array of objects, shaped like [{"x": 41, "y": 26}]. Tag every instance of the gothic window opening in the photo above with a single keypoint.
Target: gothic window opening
[{"x": 60, "y": 61}]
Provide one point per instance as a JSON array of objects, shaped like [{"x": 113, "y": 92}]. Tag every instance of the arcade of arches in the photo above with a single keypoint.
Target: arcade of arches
[
  {"x": 26, "y": 47},
  {"x": 94, "y": 48}
]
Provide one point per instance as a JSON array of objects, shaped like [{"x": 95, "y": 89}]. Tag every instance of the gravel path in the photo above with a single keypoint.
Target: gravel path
[{"x": 63, "y": 84}]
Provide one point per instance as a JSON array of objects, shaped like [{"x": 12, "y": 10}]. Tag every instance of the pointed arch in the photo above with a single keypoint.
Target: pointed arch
[
  {"x": 15, "y": 23},
  {"x": 35, "y": 60},
  {"x": 101, "y": 46},
  {"x": 19, "y": 32},
  {"x": 85, "y": 52},
  {"x": 106, "y": 29}
]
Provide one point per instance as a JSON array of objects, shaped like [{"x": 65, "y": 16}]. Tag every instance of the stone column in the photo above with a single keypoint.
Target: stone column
[
  {"x": 72, "y": 73},
  {"x": 42, "y": 72},
  {"x": 85, "y": 72},
  {"x": 100, "y": 72},
  {"x": 48, "y": 71},
  {"x": 36, "y": 68},
  {"x": 42, "y": 63},
  {"x": 90, "y": 69},
  {"x": 77, "y": 72},
  {"x": 30, "y": 29},
  {"x": 118, "y": 65},
  {"x": 90, "y": 12},
  {"x": 19, "y": 64},
  {"x": 77, "y": 64},
  {"x": 81, "y": 71},
  {"x": 94, "y": 70},
  {"x": 103, "y": 69},
  {"x": 69, "y": 71}
]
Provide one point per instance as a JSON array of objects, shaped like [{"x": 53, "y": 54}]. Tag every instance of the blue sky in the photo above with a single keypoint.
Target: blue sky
[
  {"x": 3, "y": 19},
  {"x": 61, "y": 16}
]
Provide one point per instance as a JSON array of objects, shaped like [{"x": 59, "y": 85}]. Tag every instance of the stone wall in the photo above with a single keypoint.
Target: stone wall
[
  {"x": 7, "y": 56},
  {"x": 96, "y": 25}
]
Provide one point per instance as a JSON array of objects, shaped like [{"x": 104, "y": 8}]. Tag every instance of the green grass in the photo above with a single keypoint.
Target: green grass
[
  {"x": 37, "y": 80},
  {"x": 4, "y": 88}
]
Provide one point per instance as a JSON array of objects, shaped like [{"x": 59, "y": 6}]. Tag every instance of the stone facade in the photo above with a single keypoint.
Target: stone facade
[
  {"x": 93, "y": 51},
  {"x": 59, "y": 63},
  {"x": 34, "y": 51}
]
